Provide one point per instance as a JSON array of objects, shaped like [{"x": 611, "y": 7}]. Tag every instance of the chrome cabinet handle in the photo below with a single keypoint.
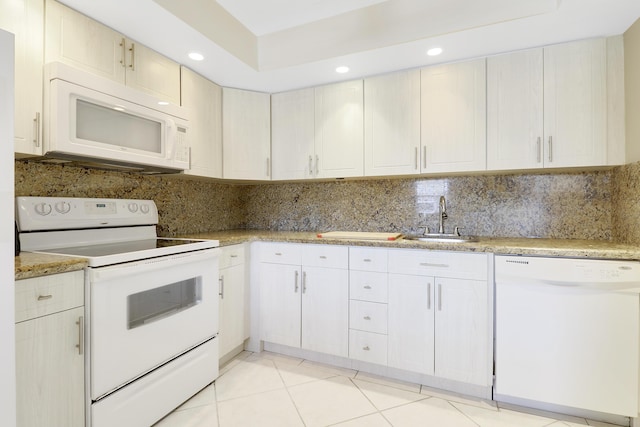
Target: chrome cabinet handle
[
  {"x": 310, "y": 165},
  {"x": 132, "y": 64},
  {"x": 80, "y": 345},
  {"x": 366, "y": 348},
  {"x": 550, "y": 149},
  {"x": 44, "y": 297},
  {"x": 323, "y": 257},
  {"x": 295, "y": 288},
  {"x": 539, "y": 149},
  {"x": 430, "y": 264},
  {"x": 36, "y": 129},
  {"x": 278, "y": 253},
  {"x": 268, "y": 167},
  {"x": 233, "y": 256},
  {"x": 429, "y": 296},
  {"x": 304, "y": 282},
  {"x": 367, "y": 317},
  {"x": 123, "y": 54},
  {"x": 221, "y": 293},
  {"x": 416, "y": 159},
  {"x": 367, "y": 287},
  {"x": 366, "y": 260},
  {"x": 424, "y": 156},
  {"x": 439, "y": 297},
  {"x": 317, "y": 165}
]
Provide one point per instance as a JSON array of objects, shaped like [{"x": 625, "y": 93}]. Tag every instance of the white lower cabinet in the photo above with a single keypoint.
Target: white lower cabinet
[
  {"x": 304, "y": 296},
  {"x": 50, "y": 350},
  {"x": 439, "y": 315},
  {"x": 233, "y": 322}
]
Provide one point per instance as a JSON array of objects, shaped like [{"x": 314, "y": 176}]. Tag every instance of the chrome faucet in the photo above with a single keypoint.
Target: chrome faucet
[{"x": 443, "y": 214}]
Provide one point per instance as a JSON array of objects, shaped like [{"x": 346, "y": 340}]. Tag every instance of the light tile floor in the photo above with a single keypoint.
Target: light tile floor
[{"x": 268, "y": 389}]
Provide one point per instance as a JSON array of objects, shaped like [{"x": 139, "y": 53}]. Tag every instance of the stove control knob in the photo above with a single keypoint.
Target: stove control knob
[
  {"x": 63, "y": 207},
  {"x": 43, "y": 209},
  {"x": 144, "y": 209},
  {"x": 133, "y": 207}
]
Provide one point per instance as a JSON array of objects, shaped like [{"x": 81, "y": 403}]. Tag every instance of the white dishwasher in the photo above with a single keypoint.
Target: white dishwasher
[{"x": 567, "y": 333}]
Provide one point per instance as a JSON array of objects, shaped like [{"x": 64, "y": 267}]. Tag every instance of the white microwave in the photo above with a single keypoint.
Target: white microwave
[{"x": 90, "y": 119}]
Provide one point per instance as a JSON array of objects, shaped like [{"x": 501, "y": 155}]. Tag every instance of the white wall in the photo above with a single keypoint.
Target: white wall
[
  {"x": 7, "y": 338},
  {"x": 632, "y": 91}
]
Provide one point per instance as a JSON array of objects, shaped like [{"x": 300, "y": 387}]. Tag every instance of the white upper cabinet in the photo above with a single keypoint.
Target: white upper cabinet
[
  {"x": 292, "y": 134},
  {"x": 392, "y": 124},
  {"x": 246, "y": 134},
  {"x": 552, "y": 107},
  {"x": 575, "y": 104},
  {"x": 453, "y": 117},
  {"x": 203, "y": 98},
  {"x": 81, "y": 42},
  {"x": 515, "y": 110},
  {"x": 25, "y": 18},
  {"x": 339, "y": 136}
]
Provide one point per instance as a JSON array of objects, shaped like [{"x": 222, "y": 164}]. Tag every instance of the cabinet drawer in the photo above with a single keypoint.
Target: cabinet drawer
[
  {"x": 441, "y": 264},
  {"x": 231, "y": 255},
  {"x": 368, "y": 259},
  {"x": 48, "y": 294},
  {"x": 368, "y": 347},
  {"x": 281, "y": 253},
  {"x": 368, "y": 316},
  {"x": 368, "y": 286},
  {"x": 325, "y": 256}
]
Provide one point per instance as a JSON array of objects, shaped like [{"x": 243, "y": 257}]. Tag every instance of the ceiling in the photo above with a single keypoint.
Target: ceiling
[{"x": 278, "y": 45}]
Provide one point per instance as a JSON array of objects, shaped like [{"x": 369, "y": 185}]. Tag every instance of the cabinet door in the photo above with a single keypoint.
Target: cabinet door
[
  {"x": 25, "y": 18},
  {"x": 515, "y": 110},
  {"x": 462, "y": 331},
  {"x": 339, "y": 140},
  {"x": 453, "y": 117},
  {"x": 392, "y": 124},
  {"x": 203, "y": 98},
  {"x": 325, "y": 310},
  {"x": 292, "y": 134},
  {"x": 152, "y": 73},
  {"x": 81, "y": 42},
  {"x": 232, "y": 307},
  {"x": 411, "y": 323},
  {"x": 246, "y": 134},
  {"x": 575, "y": 104},
  {"x": 280, "y": 310},
  {"x": 50, "y": 370}
]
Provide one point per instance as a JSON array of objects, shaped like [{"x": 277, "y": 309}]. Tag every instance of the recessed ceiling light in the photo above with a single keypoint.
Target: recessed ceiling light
[
  {"x": 196, "y": 56},
  {"x": 435, "y": 51},
  {"x": 342, "y": 70}
]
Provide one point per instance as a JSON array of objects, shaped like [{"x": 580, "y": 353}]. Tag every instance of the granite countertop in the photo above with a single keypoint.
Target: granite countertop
[
  {"x": 32, "y": 265},
  {"x": 502, "y": 245},
  {"x": 29, "y": 265}
]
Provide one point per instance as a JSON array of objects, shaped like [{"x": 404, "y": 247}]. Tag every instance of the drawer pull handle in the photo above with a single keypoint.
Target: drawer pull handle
[
  {"x": 366, "y": 260},
  {"x": 323, "y": 257},
  {"x": 295, "y": 289},
  {"x": 221, "y": 290},
  {"x": 278, "y": 253},
  {"x": 367, "y": 287},
  {"x": 304, "y": 282},
  {"x": 44, "y": 297},
  {"x": 366, "y": 348},
  {"x": 234, "y": 256},
  {"x": 430, "y": 264},
  {"x": 367, "y": 317}
]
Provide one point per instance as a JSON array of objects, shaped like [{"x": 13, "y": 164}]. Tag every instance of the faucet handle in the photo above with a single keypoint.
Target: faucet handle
[
  {"x": 456, "y": 231},
  {"x": 426, "y": 229}
]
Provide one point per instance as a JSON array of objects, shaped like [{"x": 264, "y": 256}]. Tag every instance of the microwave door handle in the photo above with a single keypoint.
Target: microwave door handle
[{"x": 170, "y": 139}]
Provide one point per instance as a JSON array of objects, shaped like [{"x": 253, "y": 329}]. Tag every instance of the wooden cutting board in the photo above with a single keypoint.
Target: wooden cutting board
[{"x": 359, "y": 235}]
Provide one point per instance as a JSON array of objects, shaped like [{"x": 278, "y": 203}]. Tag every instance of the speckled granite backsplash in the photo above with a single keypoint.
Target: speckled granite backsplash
[
  {"x": 184, "y": 206},
  {"x": 573, "y": 206}
]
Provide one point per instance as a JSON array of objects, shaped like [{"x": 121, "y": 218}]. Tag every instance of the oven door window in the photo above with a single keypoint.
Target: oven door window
[{"x": 158, "y": 303}]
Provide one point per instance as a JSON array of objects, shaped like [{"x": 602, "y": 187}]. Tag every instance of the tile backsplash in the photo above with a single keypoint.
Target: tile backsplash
[{"x": 559, "y": 205}]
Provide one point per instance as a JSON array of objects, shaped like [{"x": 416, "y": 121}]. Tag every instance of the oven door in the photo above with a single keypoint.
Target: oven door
[{"x": 145, "y": 313}]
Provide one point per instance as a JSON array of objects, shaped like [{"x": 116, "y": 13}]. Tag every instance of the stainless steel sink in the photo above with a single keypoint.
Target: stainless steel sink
[{"x": 447, "y": 238}]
